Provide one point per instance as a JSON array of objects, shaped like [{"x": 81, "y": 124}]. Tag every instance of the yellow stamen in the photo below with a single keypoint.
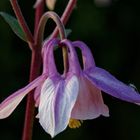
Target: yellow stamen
[{"x": 73, "y": 123}]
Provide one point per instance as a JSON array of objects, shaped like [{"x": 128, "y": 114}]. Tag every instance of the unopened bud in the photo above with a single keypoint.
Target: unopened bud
[{"x": 51, "y": 4}]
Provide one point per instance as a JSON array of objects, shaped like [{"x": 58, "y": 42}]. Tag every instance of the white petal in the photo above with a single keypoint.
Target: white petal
[{"x": 56, "y": 103}]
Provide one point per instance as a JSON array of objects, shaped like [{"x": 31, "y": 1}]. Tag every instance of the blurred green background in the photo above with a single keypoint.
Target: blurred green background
[{"x": 113, "y": 34}]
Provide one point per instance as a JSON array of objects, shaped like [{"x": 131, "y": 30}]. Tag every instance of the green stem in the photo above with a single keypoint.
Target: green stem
[
  {"x": 64, "y": 19},
  {"x": 40, "y": 33}
]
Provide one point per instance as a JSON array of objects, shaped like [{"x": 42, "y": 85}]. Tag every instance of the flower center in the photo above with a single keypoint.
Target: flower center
[{"x": 73, "y": 123}]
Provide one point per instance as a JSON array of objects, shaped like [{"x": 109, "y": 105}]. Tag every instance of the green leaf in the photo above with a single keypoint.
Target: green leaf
[
  {"x": 14, "y": 25},
  {"x": 68, "y": 32}
]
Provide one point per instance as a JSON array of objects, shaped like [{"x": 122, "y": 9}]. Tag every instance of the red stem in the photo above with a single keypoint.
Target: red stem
[
  {"x": 38, "y": 13},
  {"x": 68, "y": 11},
  {"x": 22, "y": 21},
  {"x": 66, "y": 15},
  {"x": 29, "y": 116},
  {"x": 34, "y": 73}
]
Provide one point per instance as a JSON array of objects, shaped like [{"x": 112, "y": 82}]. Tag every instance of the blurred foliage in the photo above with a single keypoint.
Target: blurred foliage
[
  {"x": 112, "y": 33},
  {"x": 13, "y": 23}
]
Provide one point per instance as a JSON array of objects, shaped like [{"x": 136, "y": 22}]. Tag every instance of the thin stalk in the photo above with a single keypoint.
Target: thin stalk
[
  {"x": 68, "y": 10},
  {"x": 40, "y": 33},
  {"x": 22, "y": 22},
  {"x": 66, "y": 15},
  {"x": 38, "y": 13},
  {"x": 30, "y": 106},
  {"x": 41, "y": 27},
  {"x": 34, "y": 72}
]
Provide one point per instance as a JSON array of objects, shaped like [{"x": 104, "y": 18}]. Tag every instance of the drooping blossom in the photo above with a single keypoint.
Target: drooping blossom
[
  {"x": 60, "y": 106},
  {"x": 71, "y": 97},
  {"x": 58, "y": 94}
]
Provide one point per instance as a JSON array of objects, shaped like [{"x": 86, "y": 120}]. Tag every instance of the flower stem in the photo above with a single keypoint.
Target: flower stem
[
  {"x": 38, "y": 13},
  {"x": 40, "y": 33},
  {"x": 66, "y": 15},
  {"x": 34, "y": 72},
  {"x": 64, "y": 20},
  {"x": 29, "y": 116},
  {"x": 22, "y": 22},
  {"x": 41, "y": 27}
]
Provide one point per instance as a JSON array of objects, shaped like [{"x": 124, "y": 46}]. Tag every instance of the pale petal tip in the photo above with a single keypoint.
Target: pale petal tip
[
  {"x": 52, "y": 135},
  {"x": 9, "y": 105},
  {"x": 105, "y": 111},
  {"x": 37, "y": 116},
  {"x": 3, "y": 116},
  {"x": 137, "y": 103},
  {"x": 55, "y": 132}
]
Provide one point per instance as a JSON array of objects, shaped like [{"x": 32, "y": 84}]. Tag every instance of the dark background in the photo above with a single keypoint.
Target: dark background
[{"x": 113, "y": 34}]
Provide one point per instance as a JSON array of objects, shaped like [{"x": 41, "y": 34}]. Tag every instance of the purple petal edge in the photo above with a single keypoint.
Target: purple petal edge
[
  {"x": 10, "y": 103},
  {"x": 88, "y": 60},
  {"x": 110, "y": 85}
]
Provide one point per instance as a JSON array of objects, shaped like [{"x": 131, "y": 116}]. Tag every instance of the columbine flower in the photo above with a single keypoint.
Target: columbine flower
[
  {"x": 58, "y": 93},
  {"x": 70, "y": 98},
  {"x": 57, "y": 106}
]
